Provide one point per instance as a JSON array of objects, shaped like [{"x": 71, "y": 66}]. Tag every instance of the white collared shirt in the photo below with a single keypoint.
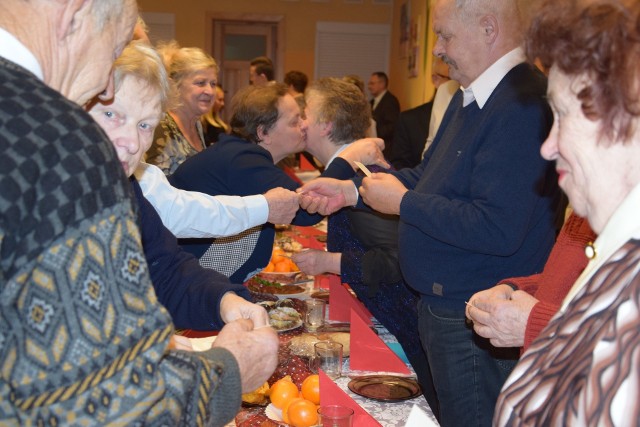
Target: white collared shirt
[
  {"x": 12, "y": 49},
  {"x": 377, "y": 99},
  {"x": 622, "y": 226},
  {"x": 482, "y": 87},
  {"x": 338, "y": 151},
  {"x": 192, "y": 214}
]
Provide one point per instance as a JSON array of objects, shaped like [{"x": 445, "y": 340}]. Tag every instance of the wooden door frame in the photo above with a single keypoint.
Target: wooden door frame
[{"x": 271, "y": 19}]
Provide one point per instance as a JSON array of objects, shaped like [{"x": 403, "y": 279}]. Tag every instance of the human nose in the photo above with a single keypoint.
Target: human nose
[
  {"x": 438, "y": 49},
  {"x": 549, "y": 149},
  {"x": 109, "y": 91},
  {"x": 129, "y": 140}
]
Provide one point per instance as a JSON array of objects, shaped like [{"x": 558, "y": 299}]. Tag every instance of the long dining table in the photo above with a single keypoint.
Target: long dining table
[{"x": 386, "y": 413}]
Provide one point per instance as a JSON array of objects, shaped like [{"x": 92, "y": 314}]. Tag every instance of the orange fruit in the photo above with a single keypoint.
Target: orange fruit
[
  {"x": 285, "y": 409},
  {"x": 269, "y": 268},
  {"x": 302, "y": 413},
  {"x": 282, "y": 391},
  {"x": 278, "y": 255},
  {"x": 282, "y": 266},
  {"x": 294, "y": 266},
  {"x": 311, "y": 388}
]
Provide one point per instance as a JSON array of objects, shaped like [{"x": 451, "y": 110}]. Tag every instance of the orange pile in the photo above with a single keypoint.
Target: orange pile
[
  {"x": 299, "y": 407},
  {"x": 280, "y": 262}
]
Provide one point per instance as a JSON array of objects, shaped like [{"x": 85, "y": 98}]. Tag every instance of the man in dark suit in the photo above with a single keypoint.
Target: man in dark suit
[
  {"x": 385, "y": 108},
  {"x": 412, "y": 128},
  {"x": 410, "y": 136}
]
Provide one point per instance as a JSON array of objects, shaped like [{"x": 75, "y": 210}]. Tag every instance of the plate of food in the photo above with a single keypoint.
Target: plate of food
[
  {"x": 283, "y": 318},
  {"x": 260, "y": 285},
  {"x": 290, "y": 278}
]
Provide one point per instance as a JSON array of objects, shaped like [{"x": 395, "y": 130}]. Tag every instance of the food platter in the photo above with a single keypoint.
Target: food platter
[
  {"x": 385, "y": 388},
  {"x": 289, "y": 278},
  {"x": 282, "y": 318},
  {"x": 261, "y": 285},
  {"x": 289, "y": 328}
]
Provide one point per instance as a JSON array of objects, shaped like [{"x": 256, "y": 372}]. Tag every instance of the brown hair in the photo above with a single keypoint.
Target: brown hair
[
  {"x": 255, "y": 106},
  {"x": 601, "y": 40}
]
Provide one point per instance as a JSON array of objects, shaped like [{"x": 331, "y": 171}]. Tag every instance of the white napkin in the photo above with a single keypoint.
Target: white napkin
[
  {"x": 419, "y": 418},
  {"x": 202, "y": 344}
]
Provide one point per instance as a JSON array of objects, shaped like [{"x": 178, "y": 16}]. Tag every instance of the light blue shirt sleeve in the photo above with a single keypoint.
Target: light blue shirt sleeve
[{"x": 189, "y": 214}]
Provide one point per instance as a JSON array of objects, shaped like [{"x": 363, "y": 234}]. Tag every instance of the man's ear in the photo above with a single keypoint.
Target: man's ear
[
  {"x": 73, "y": 11},
  {"x": 490, "y": 28}
]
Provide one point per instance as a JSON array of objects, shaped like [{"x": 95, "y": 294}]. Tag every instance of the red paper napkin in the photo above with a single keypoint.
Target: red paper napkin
[
  {"x": 324, "y": 281},
  {"x": 331, "y": 394},
  {"x": 306, "y": 236},
  {"x": 369, "y": 353},
  {"x": 341, "y": 302}
]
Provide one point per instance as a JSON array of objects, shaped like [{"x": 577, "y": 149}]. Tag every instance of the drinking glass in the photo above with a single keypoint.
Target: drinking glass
[
  {"x": 335, "y": 416},
  {"x": 328, "y": 356},
  {"x": 314, "y": 317}
]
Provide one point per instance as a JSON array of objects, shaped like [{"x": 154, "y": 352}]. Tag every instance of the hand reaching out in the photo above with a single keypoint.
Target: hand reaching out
[
  {"x": 314, "y": 261},
  {"x": 327, "y": 195},
  {"x": 283, "y": 205},
  {"x": 367, "y": 151}
]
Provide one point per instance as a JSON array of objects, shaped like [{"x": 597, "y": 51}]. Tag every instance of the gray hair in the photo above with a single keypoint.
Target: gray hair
[
  {"x": 107, "y": 10},
  {"x": 343, "y": 105}
]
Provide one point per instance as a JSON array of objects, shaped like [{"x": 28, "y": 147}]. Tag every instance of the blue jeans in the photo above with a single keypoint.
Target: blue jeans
[{"x": 468, "y": 372}]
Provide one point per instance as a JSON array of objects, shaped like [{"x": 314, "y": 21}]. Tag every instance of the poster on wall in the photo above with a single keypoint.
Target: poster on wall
[
  {"x": 405, "y": 28},
  {"x": 414, "y": 49}
]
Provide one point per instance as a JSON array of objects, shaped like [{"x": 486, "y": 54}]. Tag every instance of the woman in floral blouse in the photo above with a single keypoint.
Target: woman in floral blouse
[{"x": 180, "y": 133}]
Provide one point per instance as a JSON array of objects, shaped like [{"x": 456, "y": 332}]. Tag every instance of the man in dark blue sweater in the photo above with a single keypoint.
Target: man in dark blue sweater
[{"x": 481, "y": 206}]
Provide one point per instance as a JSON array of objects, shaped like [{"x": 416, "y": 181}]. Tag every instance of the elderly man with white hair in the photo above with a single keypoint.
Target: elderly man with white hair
[{"x": 83, "y": 339}]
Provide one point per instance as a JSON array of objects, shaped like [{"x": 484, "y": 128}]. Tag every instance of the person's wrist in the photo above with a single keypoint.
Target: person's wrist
[{"x": 353, "y": 195}]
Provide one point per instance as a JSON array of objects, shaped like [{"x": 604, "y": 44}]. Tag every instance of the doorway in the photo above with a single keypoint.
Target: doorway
[{"x": 235, "y": 39}]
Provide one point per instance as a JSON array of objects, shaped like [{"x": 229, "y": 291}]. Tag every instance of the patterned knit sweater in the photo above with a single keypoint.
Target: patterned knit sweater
[
  {"x": 83, "y": 340},
  {"x": 565, "y": 263}
]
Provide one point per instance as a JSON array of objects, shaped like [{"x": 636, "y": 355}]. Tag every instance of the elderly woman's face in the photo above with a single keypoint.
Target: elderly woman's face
[
  {"x": 198, "y": 91},
  {"x": 129, "y": 120},
  {"x": 590, "y": 169}
]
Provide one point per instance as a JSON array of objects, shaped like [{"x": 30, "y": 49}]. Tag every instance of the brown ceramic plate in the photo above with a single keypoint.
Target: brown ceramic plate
[
  {"x": 323, "y": 295},
  {"x": 385, "y": 388}
]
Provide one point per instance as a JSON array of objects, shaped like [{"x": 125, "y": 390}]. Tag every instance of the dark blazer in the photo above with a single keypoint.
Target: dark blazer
[
  {"x": 386, "y": 115},
  {"x": 410, "y": 136}
]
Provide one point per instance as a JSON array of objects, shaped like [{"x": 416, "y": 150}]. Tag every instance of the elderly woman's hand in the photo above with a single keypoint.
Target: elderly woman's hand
[
  {"x": 501, "y": 314},
  {"x": 313, "y": 261},
  {"x": 367, "y": 151}
]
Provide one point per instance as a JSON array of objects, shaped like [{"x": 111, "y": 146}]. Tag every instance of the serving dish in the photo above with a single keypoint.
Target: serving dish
[{"x": 385, "y": 388}]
